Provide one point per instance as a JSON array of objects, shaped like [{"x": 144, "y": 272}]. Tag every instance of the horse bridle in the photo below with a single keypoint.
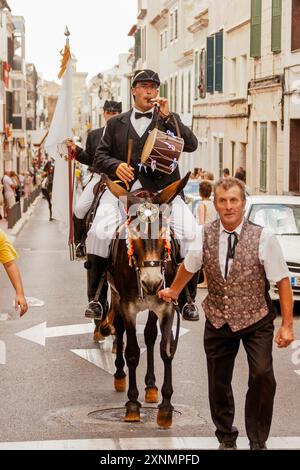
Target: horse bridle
[{"x": 171, "y": 349}]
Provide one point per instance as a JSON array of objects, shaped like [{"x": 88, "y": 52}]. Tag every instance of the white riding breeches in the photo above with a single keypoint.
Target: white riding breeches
[
  {"x": 86, "y": 198},
  {"x": 111, "y": 214}
]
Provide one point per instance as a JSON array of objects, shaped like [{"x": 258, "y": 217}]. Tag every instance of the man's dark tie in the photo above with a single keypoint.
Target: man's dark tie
[
  {"x": 140, "y": 115},
  {"x": 231, "y": 244}
]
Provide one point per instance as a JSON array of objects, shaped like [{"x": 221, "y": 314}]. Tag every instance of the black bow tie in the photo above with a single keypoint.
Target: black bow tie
[{"x": 146, "y": 115}]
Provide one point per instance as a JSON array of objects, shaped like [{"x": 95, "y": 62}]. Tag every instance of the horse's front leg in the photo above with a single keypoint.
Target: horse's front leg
[
  {"x": 120, "y": 376},
  {"x": 132, "y": 355},
  {"x": 165, "y": 411},
  {"x": 150, "y": 335}
]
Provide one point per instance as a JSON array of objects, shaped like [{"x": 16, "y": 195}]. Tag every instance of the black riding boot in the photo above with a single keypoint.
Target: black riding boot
[
  {"x": 96, "y": 269},
  {"x": 187, "y": 298},
  {"x": 79, "y": 228}
]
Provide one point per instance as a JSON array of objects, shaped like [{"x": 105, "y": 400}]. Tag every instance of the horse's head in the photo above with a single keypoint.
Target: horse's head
[{"x": 148, "y": 231}]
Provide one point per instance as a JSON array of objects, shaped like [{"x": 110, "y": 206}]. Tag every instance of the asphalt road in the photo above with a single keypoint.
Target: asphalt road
[{"x": 48, "y": 390}]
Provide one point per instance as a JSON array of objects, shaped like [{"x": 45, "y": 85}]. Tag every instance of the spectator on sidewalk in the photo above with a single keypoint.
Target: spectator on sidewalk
[
  {"x": 7, "y": 258},
  {"x": 14, "y": 177},
  {"x": 27, "y": 184},
  {"x": 9, "y": 191}
]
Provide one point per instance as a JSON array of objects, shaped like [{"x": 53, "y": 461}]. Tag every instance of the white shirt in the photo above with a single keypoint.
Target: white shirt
[
  {"x": 8, "y": 183},
  {"x": 140, "y": 125},
  {"x": 269, "y": 253}
]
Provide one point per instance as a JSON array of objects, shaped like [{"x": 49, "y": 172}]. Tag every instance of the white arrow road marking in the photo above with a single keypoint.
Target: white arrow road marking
[
  {"x": 297, "y": 371},
  {"x": 39, "y": 333},
  {"x": 103, "y": 357}
]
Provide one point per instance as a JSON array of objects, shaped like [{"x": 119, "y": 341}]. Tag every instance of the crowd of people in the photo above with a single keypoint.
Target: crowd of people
[{"x": 14, "y": 186}]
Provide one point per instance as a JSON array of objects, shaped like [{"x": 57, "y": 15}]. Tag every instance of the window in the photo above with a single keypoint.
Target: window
[
  {"x": 144, "y": 44},
  {"x": 138, "y": 44},
  {"x": 255, "y": 38},
  {"x": 161, "y": 41},
  {"x": 210, "y": 64},
  {"x": 233, "y": 76},
  {"x": 182, "y": 93},
  {"x": 276, "y": 26},
  {"x": 189, "y": 92},
  {"x": 166, "y": 38},
  {"x": 171, "y": 27},
  {"x": 221, "y": 156},
  {"x": 243, "y": 76},
  {"x": 263, "y": 156},
  {"x": 175, "y": 94},
  {"x": 9, "y": 107},
  {"x": 17, "y": 107},
  {"x": 196, "y": 74},
  {"x": 295, "y": 25},
  {"x": 171, "y": 93},
  {"x": 219, "y": 62},
  {"x": 202, "y": 77},
  {"x": 294, "y": 182},
  {"x": 17, "y": 60},
  {"x": 175, "y": 16}
]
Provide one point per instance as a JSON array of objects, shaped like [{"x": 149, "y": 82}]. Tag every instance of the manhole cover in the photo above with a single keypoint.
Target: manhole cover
[{"x": 148, "y": 414}]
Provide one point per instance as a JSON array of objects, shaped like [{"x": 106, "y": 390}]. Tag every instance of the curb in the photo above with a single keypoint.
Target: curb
[{"x": 17, "y": 228}]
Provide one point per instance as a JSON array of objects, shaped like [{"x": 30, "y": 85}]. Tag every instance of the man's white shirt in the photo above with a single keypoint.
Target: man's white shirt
[
  {"x": 269, "y": 253},
  {"x": 140, "y": 125}
]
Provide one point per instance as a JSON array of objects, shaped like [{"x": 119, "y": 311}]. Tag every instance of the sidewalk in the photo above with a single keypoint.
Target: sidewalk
[{"x": 14, "y": 232}]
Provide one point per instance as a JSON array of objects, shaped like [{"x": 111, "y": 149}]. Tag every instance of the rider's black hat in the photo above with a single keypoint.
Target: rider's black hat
[
  {"x": 112, "y": 106},
  {"x": 145, "y": 76}
]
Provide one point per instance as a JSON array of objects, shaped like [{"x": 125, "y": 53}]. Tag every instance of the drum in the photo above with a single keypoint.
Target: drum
[{"x": 162, "y": 151}]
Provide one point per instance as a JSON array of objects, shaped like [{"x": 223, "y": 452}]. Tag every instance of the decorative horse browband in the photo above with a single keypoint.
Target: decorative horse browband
[{"x": 147, "y": 213}]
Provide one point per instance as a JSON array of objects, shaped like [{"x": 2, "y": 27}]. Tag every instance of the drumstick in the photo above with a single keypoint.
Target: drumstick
[{"x": 129, "y": 151}]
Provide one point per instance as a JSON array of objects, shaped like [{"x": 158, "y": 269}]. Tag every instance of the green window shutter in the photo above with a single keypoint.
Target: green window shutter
[
  {"x": 138, "y": 49},
  {"x": 276, "y": 26},
  {"x": 210, "y": 64},
  {"x": 166, "y": 90},
  {"x": 162, "y": 90},
  {"x": 263, "y": 155},
  {"x": 219, "y": 62},
  {"x": 182, "y": 93},
  {"x": 255, "y": 40}
]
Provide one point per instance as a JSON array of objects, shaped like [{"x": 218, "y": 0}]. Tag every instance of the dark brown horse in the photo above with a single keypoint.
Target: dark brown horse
[{"x": 142, "y": 264}]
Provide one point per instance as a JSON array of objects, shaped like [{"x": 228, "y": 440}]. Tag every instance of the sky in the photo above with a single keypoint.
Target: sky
[{"x": 99, "y": 32}]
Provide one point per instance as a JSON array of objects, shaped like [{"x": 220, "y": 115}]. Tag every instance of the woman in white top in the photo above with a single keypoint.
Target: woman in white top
[{"x": 206, "y": 213}]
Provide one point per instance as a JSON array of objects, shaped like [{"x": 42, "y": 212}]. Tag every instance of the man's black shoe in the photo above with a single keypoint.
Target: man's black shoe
[
  {"x": 227, "y": 446},
  {"x": 95, "y": 310},
  {"x": 190, "y": 312},
  {"x": 258, "y": 446}
]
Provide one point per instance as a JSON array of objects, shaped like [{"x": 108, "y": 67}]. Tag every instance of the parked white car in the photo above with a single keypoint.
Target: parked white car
[{"x": 281, "y": 214}]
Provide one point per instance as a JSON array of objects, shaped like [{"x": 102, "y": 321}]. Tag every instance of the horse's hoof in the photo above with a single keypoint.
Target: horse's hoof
[
  {"x": 120, "y": 384},
  {"x": 98, "y": 336},
  {"x": 151, "y": 395},
  {"x": 164, "y": 418},
  {"x": 106, "y": 329},
  {"x": 132, "y": 413}
]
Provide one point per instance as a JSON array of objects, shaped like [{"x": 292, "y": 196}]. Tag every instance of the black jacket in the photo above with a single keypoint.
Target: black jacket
[
  {"x": 86, "y": 157},
  {"x": 112, "y": 151}
]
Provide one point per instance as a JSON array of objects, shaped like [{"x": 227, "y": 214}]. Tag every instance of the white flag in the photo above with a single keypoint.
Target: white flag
[{"x": 60, "y": 130}]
